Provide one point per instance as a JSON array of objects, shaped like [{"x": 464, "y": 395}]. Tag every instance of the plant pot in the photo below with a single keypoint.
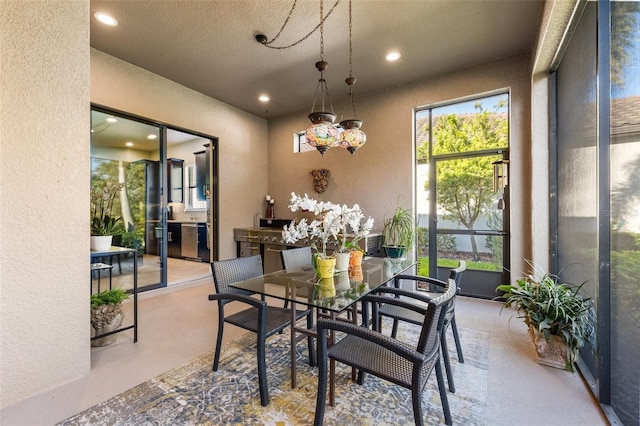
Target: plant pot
[
  {"x": 342, "y": 261},
  {"x": 326, "y": 266},
  {"x": 394, "y": 252},
  {"x": 355, "y": 258},
  {"x": 101, "y": 242},
  {"x": 553, "y": 353},
  {"x": 104, "y": 319}
]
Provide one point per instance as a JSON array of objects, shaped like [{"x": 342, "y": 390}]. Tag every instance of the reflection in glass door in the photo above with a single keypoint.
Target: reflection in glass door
[{"x": 125, "y": 152}]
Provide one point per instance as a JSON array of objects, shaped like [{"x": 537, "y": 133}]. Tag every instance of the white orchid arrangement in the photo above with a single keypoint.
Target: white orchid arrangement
[{"x": 332, "y": 223}]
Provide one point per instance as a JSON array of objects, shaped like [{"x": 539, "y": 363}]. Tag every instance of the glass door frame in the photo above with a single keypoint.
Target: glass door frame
[
  {"x": 434, "y": 230},
  {"x": 212, "y": 213}
]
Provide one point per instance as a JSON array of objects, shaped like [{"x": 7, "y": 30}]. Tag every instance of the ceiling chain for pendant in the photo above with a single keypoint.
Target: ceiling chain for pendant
[{"x": 262, "y": 39}]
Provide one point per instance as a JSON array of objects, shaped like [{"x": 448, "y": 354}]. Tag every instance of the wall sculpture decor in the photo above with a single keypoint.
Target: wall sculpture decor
[{"x": 320, "y": 180}]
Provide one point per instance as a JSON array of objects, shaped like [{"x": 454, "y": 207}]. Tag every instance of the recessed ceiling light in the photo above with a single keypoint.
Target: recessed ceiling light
[
  {"x": 392, "y": 56},
  {"x": 263, "y": 98},
  {"x": 111, "y": 120},
  {"x": 129, "y": 144},
  {"x": 152, "y": 137},
  {"x": 106, "y": 19}
]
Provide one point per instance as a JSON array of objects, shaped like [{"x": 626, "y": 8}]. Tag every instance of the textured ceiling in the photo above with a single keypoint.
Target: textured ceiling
[{"x": 210, "y": 46}]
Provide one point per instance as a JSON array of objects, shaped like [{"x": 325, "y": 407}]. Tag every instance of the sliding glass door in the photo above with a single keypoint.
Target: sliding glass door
[
  {"x": 166, "y": 206},
  {"x": 125, "y": 152}
]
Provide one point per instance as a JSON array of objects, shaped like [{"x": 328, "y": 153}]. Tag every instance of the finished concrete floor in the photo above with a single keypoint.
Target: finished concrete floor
[{"x": 178, "y": 323}]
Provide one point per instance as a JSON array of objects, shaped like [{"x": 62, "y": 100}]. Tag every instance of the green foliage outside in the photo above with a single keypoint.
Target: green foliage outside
[
  {"x": 423, "y": 265},
  {"x": 465, "y": 186},
  {"x": 105, "y": 172}
]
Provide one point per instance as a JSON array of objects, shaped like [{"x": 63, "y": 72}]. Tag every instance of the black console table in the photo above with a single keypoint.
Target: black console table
[{"x": 112, "y": 252}]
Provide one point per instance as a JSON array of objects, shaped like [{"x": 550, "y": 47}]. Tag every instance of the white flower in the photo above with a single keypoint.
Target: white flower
[{"x": 332, "y": 222}]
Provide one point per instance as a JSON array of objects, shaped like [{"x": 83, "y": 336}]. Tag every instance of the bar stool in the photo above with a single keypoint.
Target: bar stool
[{"x": 99, "y": 267}]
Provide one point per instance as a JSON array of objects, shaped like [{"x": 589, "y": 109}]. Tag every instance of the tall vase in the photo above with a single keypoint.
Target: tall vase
[
  {"x": 342, "y": 261},
  {"x": 326, "y": 266}
]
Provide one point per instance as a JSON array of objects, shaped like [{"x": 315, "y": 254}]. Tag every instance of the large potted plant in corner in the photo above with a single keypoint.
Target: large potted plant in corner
[
  {"x": 103, "y": 220},
  {"x": 107, "y": 314},
  {"x": 560, "y": 318},
  {"x": 398, "y": 232}
]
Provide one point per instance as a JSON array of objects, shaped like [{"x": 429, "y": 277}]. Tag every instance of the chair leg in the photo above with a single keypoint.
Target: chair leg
[
  {"x": 416, "y": 398},
  {"x": 394, "y": 330},
  {"x": 262, "y": 371},
  {"x": 447, "y": 362},
  {"x": 321, "y": 399},
  {"x": 457, "y": 339},
  {"x": 216, "y": 358},
  {"x": 443, "y": 394},
  {"x": 310, "y": 340}
]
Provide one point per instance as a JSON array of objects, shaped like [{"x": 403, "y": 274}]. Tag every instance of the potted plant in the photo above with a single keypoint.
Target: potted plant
[
  {"x": 103, "y": 220},
  {"x": 331, "y": 220},
  {"x": 350, "y": 252},
  {"x": 398, "y": 232},
  {"x": 560, "y": 318},
  {"x": 107, "y": 314}
]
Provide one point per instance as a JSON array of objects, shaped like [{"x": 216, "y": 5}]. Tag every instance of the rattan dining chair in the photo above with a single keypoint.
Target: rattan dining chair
[
  {"x": 294, "y": 260},
  {"x": 398, "y": 314},
  {"x": 259, "y": 317},
  {"x": 385, "y": 357}
]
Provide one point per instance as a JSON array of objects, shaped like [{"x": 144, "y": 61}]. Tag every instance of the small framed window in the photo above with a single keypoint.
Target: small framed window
[{"x": 300, "y": 142}]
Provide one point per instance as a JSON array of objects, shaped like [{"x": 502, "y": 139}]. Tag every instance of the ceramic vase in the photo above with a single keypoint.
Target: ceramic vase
[
  {"x": 101, "y": 242},
  {"x": 326, "y": 266},
  {"x": 355, "y": 258},
  {"x": 342, "y": 261}
]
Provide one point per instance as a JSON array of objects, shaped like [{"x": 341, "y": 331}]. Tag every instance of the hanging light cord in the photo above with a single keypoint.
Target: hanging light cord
[
  {"x": 351, "y": 80},
  {"x": 322, "y": 65},
  {"x": 267, "y": 43}
]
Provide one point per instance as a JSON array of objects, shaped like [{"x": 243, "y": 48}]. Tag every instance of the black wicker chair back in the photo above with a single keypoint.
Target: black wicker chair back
[
  {"x": 258, "y": 318},
  {"x": 402, "y": 314},
  {"x": 383, "y": 356},
  {"x": 295, "y": 259}
]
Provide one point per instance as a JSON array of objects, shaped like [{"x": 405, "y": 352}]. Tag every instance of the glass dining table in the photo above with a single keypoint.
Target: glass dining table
[{"x": 329, "y": 296}]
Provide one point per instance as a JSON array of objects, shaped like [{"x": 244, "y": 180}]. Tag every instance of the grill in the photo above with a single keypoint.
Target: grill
[{"x": 270, "y": 233}]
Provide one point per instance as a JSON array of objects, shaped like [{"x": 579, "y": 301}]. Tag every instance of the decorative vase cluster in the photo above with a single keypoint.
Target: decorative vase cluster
[{"x": 333, "y": 221}]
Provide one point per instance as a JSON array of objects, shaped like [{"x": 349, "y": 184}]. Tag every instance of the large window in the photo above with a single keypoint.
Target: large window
[{"x": 461, "y": 204}]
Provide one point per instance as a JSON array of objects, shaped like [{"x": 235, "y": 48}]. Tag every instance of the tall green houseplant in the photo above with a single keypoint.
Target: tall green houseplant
[{"x": 399, "y": 231}]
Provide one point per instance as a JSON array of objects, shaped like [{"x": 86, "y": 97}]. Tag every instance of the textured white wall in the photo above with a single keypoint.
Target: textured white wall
[
  {"x": 242, "y": 136},
  {"x": 380, "y": 171},
  {"x": 44, "y": 222}
]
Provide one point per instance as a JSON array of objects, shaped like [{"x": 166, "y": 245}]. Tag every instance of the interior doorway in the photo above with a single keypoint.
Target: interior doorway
[{"x": 166, "y": 208}]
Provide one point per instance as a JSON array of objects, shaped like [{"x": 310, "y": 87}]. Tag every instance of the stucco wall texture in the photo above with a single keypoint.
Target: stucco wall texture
[
  {"x": 242, "y": 146},
  {"x": 44, "y": 225}
]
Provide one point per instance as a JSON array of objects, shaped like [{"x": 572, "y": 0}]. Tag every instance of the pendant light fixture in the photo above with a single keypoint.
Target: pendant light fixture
[
  {"x": 322, "y": 134},
  {"x": 352, "y": 137}
]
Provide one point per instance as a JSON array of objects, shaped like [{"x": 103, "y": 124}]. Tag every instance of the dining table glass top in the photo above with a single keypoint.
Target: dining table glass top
[{"x": 335, "y": 293}]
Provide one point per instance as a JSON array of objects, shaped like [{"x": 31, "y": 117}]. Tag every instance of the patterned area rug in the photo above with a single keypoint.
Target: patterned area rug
[{"x": 194, "y": 395}]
